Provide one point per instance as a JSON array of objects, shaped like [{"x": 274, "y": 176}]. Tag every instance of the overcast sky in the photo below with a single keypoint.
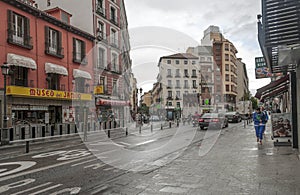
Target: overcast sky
[{"x": 182, "y": 22}]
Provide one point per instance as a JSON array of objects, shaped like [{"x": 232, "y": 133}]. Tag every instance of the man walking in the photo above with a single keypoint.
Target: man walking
[{"x": 266, "y": 118}]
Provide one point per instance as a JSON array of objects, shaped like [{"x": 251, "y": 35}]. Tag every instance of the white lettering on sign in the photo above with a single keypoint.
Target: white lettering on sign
[
  {"x": 23, "y": 165},
  {"x": 16, "y": 185}
]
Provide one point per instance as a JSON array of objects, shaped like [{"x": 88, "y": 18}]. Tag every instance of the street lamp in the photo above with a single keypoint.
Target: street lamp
[{"x": 5, "y": 72}]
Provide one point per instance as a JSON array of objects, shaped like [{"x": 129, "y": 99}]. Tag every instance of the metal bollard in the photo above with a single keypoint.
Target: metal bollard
[
  {"x": 140, "y": 129},
  {"x": 108, "y": 133},
  {"x": 27, "y": 147},
  {"x": 151, "y": 128},
  {"x": 161, "y": 127},
  {"x": 126, "y": 131},
  {"x": 170, "y": 124}
]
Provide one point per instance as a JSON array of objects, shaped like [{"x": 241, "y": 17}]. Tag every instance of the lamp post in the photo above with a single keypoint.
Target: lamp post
[{"x": 5, "y": 139}]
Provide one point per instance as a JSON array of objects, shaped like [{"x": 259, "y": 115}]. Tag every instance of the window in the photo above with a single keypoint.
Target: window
[
  {"x": 178, "y": 104},
  {"x": 169, "y": 83},
  {"x": 194, "y": 73},
  {"x": 169, "y": 73},
  {"x": 114, "y": 38},
  {"x": 169, "y": 94},
  {"x": 177, "y": 83},
  {"x": 53, "y": 42},
  {"x": 226, "y": 57},
  {"x": 177, "y": 61},
  {"x": 170, "y": 104},
  {"x": 100, "y": 31},
  {"x": 226, "y": 47},
  {"x": 65, "y": 17},
  {"x": 227, "y": 88},
  {"x": 19, "y": 30},
  {"x": 53, "y": 81},
  {"x": 80, "y": 85},
  {"x": 114, "y": 62},
  {"x": 177, "y": 73},
  {"x": 186, "y": 73},
  {"x": 19, "y": 76},
  {"x": 113, "y": 17},
  {"x": 209, "y": 59},
  {"x": 193, "y": 62},
  {"x": 226, "y": 77},
  {"x": 186, "y": 84},
  {"x": 101, "y": 58},
  {"x": 202, "y": 59},
  {"x": 177, "y": 94},
  {"x": 114, "y": 87},
  {"x": 168, "y": 61},
  {"x": 194, "y": 84},
  {"x": 79, "y": 51},
  {"x": 226, "y": 67},
  {"x": 185, "y": 62},
  {"x": 100, "y": 8}
]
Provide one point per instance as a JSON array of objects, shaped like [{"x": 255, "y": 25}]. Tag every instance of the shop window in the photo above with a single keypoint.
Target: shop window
[
  {"x": 19, "y": 30},
  {"x": 53, "y": 42},
  {"x": 19, "y": 76},
  {"x": 79, "y": 51},
  {"x": 53, "y": 81}
]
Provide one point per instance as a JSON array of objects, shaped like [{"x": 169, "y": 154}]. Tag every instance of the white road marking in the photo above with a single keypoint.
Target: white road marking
[
  {"x": 43, "y": 168},
  {"x": 16, "y": 185},
  {"x": 46, "y": 189},
  {"x": 30, "y": 189},
  {"x": 83, "y": 162},
  {"x": 146, "y": 142},
  {"x": 24, "y": 165},
  {"x": 124, "y": 143}
]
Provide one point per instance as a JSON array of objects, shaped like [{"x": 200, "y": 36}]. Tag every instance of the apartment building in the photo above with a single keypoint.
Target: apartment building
[
  {"x": 224, "y": 53},
  {"x": 107, "y": 21},
  {"x": 210, "y": 82},
  {"x": 179, "y": 84},
  {"x": 50, "y": 74}
]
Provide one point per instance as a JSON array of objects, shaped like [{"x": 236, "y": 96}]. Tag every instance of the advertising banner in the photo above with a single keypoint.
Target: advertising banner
[
  {"x": 261, "y": 69},
  {"x": 281, "y": 125}
]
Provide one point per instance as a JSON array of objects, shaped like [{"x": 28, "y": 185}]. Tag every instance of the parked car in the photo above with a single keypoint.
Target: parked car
[
  {"x": 213, "y": 120},
  {"x": 234, "y": 117}
]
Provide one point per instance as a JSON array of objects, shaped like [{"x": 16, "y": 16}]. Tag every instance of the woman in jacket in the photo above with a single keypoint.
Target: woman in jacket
[{"x": 259, "y": 119}]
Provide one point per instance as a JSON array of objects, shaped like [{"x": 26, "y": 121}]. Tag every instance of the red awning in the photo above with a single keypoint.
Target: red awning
[
  {"x": 273, "y": 86},
  {"x": 106, "y": 102}
]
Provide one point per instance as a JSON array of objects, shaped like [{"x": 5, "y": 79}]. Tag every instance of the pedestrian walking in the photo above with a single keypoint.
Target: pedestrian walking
[
  {"x": 266, "y": 118},
  {"x": 258, "y": 118}
]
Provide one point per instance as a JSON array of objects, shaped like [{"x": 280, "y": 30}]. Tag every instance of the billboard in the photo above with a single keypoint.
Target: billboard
[
  {"x": 281, "y": 125},
  {"x": 261, "y": 69}
]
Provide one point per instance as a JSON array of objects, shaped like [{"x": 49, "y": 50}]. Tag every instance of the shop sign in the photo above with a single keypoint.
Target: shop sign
[
  {"x": 98, "y": 89},
  {"x": 38, "y": 108},
  {"x": 46, "y": 93}
]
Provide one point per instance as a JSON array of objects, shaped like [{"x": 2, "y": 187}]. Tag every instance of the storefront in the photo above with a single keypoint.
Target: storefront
[
  {"x": 109, "y": 110},
  {"x": 43, "y": 106}
]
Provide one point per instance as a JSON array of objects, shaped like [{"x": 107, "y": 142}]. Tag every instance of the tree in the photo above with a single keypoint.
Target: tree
[{"x": 254, "y": 103}]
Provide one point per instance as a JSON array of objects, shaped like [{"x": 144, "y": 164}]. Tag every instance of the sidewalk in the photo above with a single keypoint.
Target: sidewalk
[{"x": 236, "y": 164}]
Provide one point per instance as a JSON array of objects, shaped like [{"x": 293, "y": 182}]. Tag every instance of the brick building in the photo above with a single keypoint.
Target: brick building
[{"x": 49, "y": 71}]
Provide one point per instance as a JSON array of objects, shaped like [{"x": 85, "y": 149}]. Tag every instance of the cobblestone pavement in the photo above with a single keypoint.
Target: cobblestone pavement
[{"x": 236, "y": 164}]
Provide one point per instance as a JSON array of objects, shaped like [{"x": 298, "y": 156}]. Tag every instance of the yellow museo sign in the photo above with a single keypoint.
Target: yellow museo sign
[{"x": 46, "y": 93}]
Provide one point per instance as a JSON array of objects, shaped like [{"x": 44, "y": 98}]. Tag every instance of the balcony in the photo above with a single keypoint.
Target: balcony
[
  {"x": 101, "y": 11},
  {"x": 114, "y": 43},
  {"x": 177, "y": 76},
  {"x": 114, "y": 20},
  {"x": 169, "y": 76},
  {"x": 101, "y": 36},
  {"x": 22, "y": 40},
  {"x": 194, "y": 76},
  {"x": 169, "y": 87},
  {"x": 169, "y": 98},
  {"x": 54, "y": 50}
]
